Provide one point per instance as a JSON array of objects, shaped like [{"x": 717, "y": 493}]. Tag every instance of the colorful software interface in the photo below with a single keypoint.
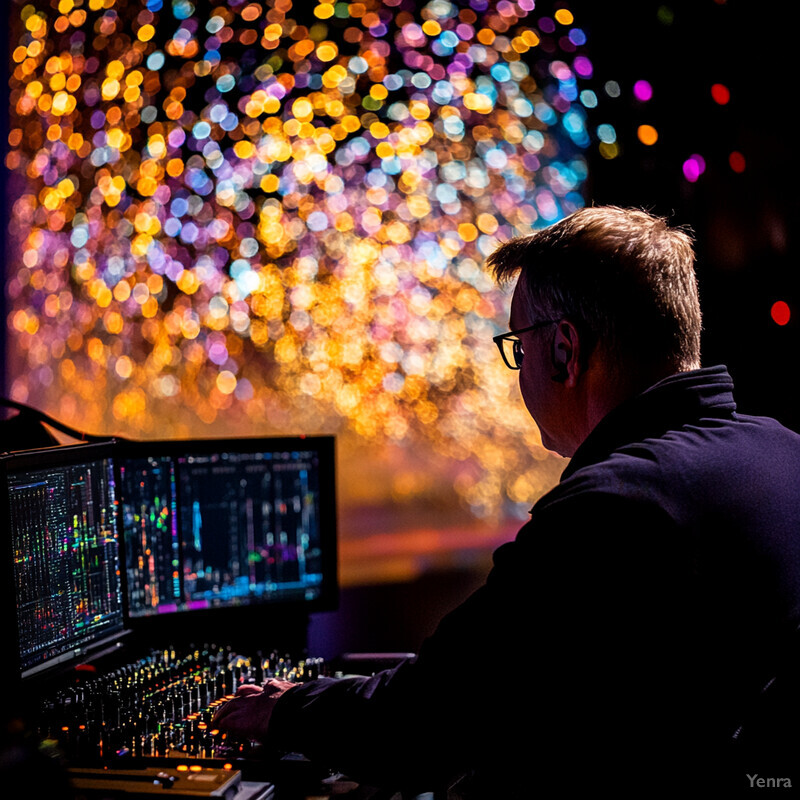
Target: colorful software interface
[
  {"x": 66, "y": 559},
  {"x": 213, "y": 529}
]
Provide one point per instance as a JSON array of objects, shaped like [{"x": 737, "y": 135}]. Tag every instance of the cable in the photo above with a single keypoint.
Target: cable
[{"x": 54, "y": 423}]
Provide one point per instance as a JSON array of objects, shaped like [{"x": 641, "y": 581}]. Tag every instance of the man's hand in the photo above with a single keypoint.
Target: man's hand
[{"x": 247, "y": 715}]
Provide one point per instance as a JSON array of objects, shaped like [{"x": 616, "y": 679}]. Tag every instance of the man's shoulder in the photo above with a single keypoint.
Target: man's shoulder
[
  {"x": 685, "y": 473},
  {"x": 700, "y": 446}
]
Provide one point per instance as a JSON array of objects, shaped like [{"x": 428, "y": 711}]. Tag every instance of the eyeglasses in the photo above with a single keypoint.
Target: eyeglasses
[{"x": 510, "y": 345}]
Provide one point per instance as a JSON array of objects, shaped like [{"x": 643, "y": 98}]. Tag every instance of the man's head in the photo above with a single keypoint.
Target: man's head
[{"x": 620, "y": 287}]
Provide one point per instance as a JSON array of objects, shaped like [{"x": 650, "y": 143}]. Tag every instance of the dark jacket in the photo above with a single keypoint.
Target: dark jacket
[{"x": 623, "y": 638}]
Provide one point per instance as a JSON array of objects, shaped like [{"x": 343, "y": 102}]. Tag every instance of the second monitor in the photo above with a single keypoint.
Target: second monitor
[{"x": 224, "y": 523}]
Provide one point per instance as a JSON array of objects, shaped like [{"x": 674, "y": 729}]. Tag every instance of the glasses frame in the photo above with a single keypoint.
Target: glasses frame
[{"x": 513, "y": 337}]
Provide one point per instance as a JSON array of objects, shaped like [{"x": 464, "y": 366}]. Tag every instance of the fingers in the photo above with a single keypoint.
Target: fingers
[
  {"x": 236, "y": 713},
  {"x": 223, "y": 711},
  {"x": 276, "y": 686},
  {"x": 246, "y": 716},
  {"x": 248, "y": 713},
  {"x": 247, "y": 689}
]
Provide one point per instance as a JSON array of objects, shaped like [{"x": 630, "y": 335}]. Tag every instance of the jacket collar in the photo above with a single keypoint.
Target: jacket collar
[{"x": 681, "y": 399}]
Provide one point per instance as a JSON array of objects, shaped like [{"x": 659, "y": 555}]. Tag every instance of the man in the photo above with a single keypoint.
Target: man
[{"x": 623, "y": 640}]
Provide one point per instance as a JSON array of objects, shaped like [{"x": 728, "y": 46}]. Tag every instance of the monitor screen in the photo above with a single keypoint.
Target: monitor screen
[
  {"x": 60, "y": 508},
  {"x": 221, "y": 523}
]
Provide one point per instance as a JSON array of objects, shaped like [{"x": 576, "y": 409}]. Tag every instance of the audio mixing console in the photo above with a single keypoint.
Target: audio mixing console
[{"x": 159, "y": 707}]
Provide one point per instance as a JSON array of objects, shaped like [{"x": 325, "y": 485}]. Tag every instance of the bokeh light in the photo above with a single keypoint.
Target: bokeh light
[
  {"x": 647, "y": 134},
  {"x": 247, "y": 217},
  {"x": 721, "y": 94},
  {"x": 737, "y": 161},
  {"x": 780, "y": 312},
  {"x": 643, "y": 91},
  {"x": 694, "y": 167}
]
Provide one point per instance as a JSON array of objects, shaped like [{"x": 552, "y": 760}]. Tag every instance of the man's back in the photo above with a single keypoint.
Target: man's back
[{"x": 670, "y": 555}]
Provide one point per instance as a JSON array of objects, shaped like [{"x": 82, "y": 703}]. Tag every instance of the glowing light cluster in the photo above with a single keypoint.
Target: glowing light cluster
[{"x": 246, "y": 217}]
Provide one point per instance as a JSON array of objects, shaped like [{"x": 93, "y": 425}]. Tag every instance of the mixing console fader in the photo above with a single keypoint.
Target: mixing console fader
[{"x": 160, "y": 706}]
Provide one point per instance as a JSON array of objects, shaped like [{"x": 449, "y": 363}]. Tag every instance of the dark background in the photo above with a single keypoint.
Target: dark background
[{"x": 743, "y": 222}]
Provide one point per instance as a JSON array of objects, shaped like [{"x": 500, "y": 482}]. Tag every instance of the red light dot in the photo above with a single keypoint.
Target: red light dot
[
  {"x": 737, "y": 161},
  {"x": 720, "y": 93},
  {"x": 781, "y": 313}
]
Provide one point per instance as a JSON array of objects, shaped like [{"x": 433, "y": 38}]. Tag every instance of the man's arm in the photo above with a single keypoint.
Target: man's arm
[{"x": 554, "y": 655}]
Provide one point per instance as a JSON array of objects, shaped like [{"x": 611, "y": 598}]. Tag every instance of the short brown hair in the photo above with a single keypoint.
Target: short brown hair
[{"x": 623, "y": 276}]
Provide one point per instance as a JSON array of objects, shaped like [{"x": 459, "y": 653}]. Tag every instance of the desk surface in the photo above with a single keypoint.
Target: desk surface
[{"x": 208, "y": 782}]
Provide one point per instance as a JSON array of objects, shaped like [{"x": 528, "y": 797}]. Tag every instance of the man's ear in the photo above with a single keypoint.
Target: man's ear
[{"x": 565, "y": 354}]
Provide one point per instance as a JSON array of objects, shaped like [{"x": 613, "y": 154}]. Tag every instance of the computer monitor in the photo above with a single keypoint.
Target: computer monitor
[
  {"x": 174, "y": 539},
  {"x": 63, "y": 555},
  {"x": 217, "y": 524}
]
